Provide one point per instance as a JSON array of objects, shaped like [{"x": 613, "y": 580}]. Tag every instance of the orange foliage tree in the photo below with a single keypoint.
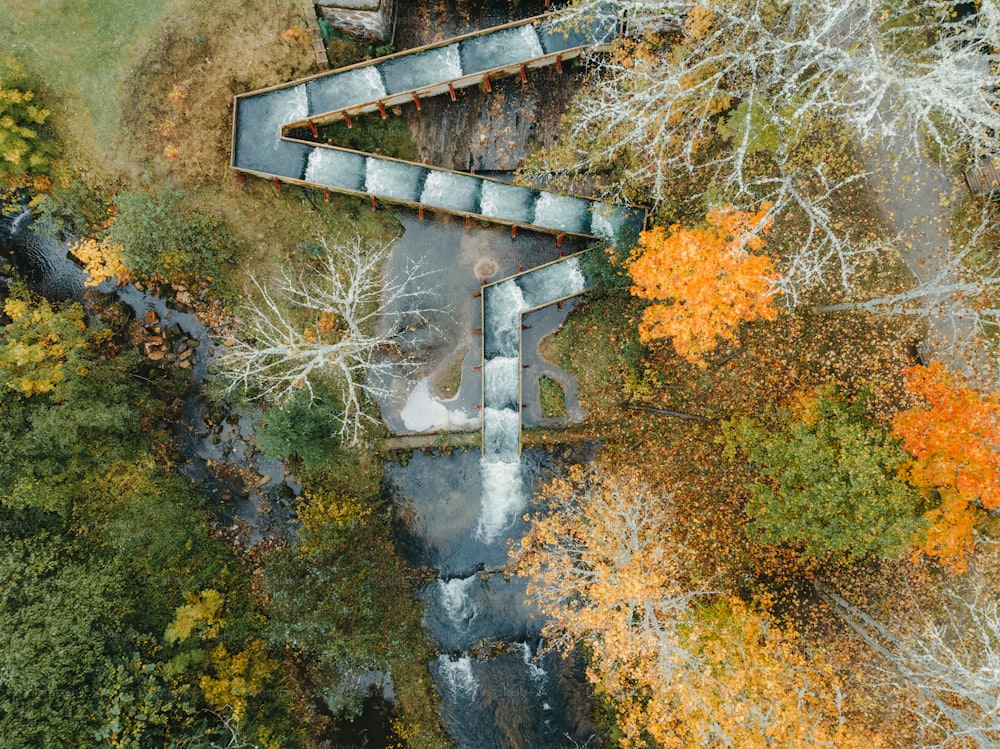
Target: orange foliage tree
[
  {"x": 955, "y": 442},
  {"x": 679, "y": 669},
  {"x": 704, "y": 282}
]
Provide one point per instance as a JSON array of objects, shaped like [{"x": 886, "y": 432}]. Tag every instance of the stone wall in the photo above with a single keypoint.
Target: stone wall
[{"x": 370, "y": 20}]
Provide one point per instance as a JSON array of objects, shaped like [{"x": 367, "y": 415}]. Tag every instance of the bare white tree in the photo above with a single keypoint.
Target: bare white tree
[
  {"x": 948, "y": 657},
  {"x": 764, "y": 73},
  {"x": 906, "y": 70},
  {"x": 335, "y": 322}
]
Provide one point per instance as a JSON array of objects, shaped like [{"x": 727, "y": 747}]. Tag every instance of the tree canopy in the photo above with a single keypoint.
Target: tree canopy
[
  {"x": 27, "y": 145},
  {"x": 831, "y": 480},
  {"x": 703, "y": 282},
  {"x": 954, "y": 437}
]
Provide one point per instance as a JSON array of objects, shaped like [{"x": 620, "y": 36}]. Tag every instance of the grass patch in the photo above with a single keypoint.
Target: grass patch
[
  {"x": 83, "y": 50},
  {"x": 552, "y": 398},
  {"x": 370, "y": 133},
  {"x": 178, "y": 110}
]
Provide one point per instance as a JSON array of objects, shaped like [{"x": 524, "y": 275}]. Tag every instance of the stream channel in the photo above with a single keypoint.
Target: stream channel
[
  {"x": 257, "y": 496},
  {"x": 496, "y": 688}
]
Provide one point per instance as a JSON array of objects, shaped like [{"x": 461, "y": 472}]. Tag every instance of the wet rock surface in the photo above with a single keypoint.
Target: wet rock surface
[{"x": 495, "y": 130}]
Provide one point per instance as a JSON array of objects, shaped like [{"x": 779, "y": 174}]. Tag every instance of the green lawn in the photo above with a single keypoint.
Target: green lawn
[{"x": 83, "y": 50}]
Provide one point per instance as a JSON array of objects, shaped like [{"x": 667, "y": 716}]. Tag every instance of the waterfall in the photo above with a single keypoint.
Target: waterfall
[
  {"x": 458, "y": 677},
  {"x": 607, "y": 221},
  {"x": 550, "y": 283},
  {"x": 503, "y": 304},
  {"x": 396, "y": 180},
  {"x": 454, "y": 192},
  {"x": 338, "y": 169},
  {"x": 332, "y": 92},
  {"x": 503, "y": 498},
  {"x": 508, "y": 202},
  {"x": 19, "y": 219},
  {"x": 536, "y": 672},
  {"x": 563, "y": 213},
  {"x": 421, "y": 69},
  {"x": 501, "y": 434},
  {"x": 500, "y": 48},
  {"x": 502, "y": 382}
]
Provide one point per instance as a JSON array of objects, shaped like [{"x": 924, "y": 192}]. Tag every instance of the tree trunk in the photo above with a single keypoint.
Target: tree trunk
[{"x": 669, "y": 412}]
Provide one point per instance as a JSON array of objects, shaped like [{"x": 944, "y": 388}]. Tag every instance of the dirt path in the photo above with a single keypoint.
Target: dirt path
[{"x": 917, "y": 197}]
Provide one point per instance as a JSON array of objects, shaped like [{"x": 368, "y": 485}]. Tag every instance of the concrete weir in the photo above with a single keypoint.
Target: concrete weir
[
  {"x": 264, "y": 122},
  {"x": 504, "y": 303}
]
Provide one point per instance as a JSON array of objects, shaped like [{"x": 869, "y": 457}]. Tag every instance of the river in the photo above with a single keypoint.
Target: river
[{"x": 497, "y": 688}]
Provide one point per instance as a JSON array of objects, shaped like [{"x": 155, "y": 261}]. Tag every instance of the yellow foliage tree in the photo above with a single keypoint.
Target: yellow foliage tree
[
  {"x": 202, "y": 611},
  {"x": 236, "y": 678},
  {"x": 39, "y": 344},
  {"x": 228, "y": 680},
  {"x": 607, "y": 568},
  {"x": 102, "y": 260},
  {"x": 955, "y": 441},
  {"x": 704, "y": 282}
]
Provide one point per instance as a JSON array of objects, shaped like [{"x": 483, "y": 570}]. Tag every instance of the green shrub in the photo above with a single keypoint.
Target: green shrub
[
  {"x": 830, "y": 480},
  {"x": 165, "y": 238},
  {"x": 300, "y": 429}
]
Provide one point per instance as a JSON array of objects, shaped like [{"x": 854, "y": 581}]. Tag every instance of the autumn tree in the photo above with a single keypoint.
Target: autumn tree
[
  {"x": 954, "y": 437},
  {"x": 753, "y": 683},
  {"x": 328, "y": 329},
  {"x": 704, "y": 282},
  {"x": 680, "y": 669},
  {"x": 27, "y": 145},
  {"x": 705, "y": 98},
  {"x": 943, "y": 655},
  {"x": 830, "y": 480}
]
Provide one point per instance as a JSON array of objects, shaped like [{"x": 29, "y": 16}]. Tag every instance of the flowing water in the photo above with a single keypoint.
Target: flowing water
[
  {"x": 396, "y": 180},
  {"x": 337, "y": 169},
  {"x": 44, "y": 262},
  {"x": 500, "y": 48},
  {"x": 421, "y": 69},
  {"x": 551, "y": 283},
  {"x": 509, "y": 202},
  {"x": 454, "y": 192},
  {"x": 562, "y": 212},
  {"x": 259, "y": 118},
  {"x": 501, "y": 382},
  {"x": 609, "y": 221},
  {"x": 496, "y": 691},
  {"x": 332, "y": 92},
  {"x": 503, "y": 304},
  {"x": 257, "y": 508}
]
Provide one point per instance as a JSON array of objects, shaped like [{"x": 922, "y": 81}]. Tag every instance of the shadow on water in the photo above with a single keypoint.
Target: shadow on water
[
  {"x": 43, "y": 262},
  {"x": 372, "y": 729}
]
